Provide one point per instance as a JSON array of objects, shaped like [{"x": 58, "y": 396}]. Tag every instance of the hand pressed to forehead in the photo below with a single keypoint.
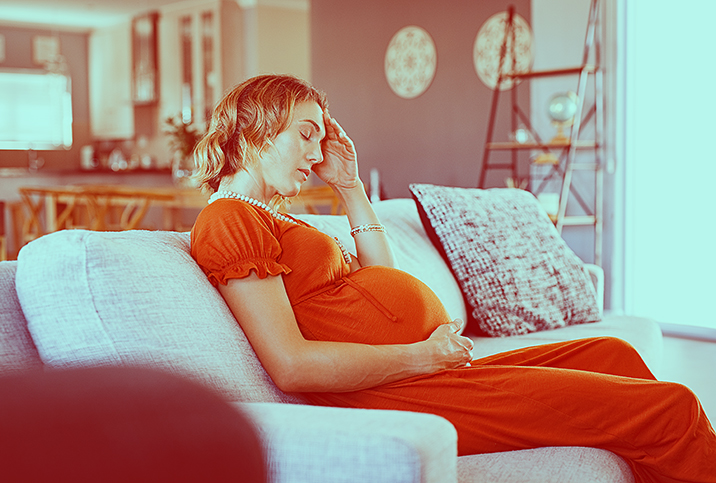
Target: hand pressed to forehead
[
  {"x": 333, "y": 129},
  {"x": 340, "y": 164}
]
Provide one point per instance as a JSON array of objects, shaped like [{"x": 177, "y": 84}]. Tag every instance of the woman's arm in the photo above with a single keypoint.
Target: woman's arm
[
  {"x": 373, "y": 247},
  {"x": 295, "y": 364},
  {"x": 339, "y": 170}
]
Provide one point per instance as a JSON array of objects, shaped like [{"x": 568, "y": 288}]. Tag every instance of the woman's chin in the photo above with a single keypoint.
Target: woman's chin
[{"x": 290, "y": 193}]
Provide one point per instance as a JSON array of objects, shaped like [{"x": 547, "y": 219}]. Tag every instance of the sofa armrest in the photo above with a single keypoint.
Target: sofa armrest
[
  {"x": 596, "y": 274},
  {"x": 325, "y": 444}
]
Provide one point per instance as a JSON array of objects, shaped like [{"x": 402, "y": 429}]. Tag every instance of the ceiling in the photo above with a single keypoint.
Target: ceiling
[
  {"x": 87, "y": 14},
  {"x": 75, "y": 13}
]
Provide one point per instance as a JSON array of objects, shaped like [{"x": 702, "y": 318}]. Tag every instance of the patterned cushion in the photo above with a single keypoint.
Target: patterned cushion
[
  {"x": 516, "y": 273},
  {"x": 135, "y": 298}
]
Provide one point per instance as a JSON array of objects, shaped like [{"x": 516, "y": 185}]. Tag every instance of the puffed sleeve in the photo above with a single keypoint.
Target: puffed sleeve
[{"x": 229, "y": 239}]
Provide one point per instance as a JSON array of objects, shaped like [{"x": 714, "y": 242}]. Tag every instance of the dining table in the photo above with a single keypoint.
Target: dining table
[{"x": 108, "y": 207}]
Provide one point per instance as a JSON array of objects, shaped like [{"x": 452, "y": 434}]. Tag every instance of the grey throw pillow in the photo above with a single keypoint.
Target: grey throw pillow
[{"x": 516, "y": 273}]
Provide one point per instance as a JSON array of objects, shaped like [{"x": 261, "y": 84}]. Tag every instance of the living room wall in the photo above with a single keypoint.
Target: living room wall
[{"x": 437, "y": 137}]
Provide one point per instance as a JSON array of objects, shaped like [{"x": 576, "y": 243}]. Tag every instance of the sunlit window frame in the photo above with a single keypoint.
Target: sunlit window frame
[{"x": 62, "y": 111}]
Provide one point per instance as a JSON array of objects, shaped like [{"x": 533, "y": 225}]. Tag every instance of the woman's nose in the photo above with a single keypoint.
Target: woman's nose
[{"x": 316, "y": 154}]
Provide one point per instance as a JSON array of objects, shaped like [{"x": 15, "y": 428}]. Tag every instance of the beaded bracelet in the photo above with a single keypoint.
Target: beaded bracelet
[{"x": 367, "y": 227}]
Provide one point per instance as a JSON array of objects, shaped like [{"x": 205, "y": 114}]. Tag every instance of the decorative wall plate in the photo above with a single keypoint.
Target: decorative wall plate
[
  {"x": 489, "y": 40},
  {"x": 410, "y": 62}
]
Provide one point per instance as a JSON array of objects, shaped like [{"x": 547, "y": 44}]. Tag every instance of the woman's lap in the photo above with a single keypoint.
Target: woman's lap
[{"x": 592, "y": 392}]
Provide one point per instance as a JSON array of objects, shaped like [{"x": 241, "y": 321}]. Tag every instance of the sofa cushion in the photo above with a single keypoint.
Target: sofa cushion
[
  {"x": 642, "y": 333},
  {"x": 562, "y": 464},
  {"x": 414, "y": 253},
  {"x": 516, "y": 273},
  {"x": 17, "y": 351},
  {"x": 348, "y": 445},
  {"x": 135, "y": 298}
]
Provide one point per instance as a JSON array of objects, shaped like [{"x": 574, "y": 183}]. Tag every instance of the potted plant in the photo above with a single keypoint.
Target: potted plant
[{"x": 183, "y": 138}]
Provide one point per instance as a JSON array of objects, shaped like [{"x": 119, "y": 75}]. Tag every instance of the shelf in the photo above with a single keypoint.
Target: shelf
[
  {"x": 590, "y": 69},
  {"x": 556, "y": 159},
  {"x": 575, "y": 220},
  {"x": 511, "y": 145}
]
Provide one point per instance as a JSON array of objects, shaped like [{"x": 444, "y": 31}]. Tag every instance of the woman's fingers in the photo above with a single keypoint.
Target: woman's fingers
[
  {"x": 459, "y": 325},
  {"x": 339, "y": 166},
  {"x": 335, "y": 132},
  {"x": 459, "y": 343},
  {"x": 466, "y": 342},
  {"x": 469, "y": 346},
  {"x": 332, "y": 131}
]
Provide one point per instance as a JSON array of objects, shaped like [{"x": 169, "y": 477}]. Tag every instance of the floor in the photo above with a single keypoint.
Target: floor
[{"x": 692, "y": 363}]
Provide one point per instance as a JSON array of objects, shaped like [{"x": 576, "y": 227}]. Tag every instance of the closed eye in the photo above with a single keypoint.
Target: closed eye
[{"x": 309, "y": 127}]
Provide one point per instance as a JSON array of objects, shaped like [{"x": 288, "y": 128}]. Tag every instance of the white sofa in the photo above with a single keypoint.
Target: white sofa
[{"x": 78, "y": 298}]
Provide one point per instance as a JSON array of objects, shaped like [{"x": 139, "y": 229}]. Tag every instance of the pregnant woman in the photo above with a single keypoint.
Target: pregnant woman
[{"x": 354, "y": 331}]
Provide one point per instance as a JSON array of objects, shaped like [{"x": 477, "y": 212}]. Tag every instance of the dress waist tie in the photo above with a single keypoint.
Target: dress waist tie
[{"x": 365, "y": 293}]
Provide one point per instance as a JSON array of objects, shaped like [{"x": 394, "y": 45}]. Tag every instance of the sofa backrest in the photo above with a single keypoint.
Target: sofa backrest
[
  {"x": 138, "y": 298},
  {"x": 135, "y": 298},
  {"x": 17, "y": 350}
]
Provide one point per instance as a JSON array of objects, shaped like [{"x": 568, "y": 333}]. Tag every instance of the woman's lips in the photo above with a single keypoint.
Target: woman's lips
[{"x": 305, "y": 172}]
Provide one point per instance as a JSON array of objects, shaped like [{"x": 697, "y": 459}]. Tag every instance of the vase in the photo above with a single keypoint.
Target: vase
[{"x": 182, "y": 171}]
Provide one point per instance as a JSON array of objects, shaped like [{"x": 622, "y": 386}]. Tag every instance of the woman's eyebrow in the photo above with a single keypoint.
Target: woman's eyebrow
[{"x": 314, "y": 123}]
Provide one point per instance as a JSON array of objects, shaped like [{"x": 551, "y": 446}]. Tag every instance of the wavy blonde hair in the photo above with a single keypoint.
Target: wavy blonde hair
[{"x": 250, "y": 115}]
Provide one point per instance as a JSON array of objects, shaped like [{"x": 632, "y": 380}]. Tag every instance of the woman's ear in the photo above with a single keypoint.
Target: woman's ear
[{"x": 268, "y": 144}]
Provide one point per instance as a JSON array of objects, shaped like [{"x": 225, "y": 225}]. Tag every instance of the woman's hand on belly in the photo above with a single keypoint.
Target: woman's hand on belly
[
  {"x": 448, "y": 348},
  {"x": 262, "y": 308}
]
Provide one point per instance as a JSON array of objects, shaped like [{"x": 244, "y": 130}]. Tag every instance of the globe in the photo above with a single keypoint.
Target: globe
[{"x": 563, "y": 107}]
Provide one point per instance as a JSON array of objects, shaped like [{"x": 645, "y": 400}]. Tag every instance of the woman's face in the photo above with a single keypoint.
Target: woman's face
[{"x": 285, "y": 163}]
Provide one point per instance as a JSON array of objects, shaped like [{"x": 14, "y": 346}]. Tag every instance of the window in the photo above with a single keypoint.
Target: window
[
  {"x": 669, "y": 165},
  {"x": 35, "y": 110}
]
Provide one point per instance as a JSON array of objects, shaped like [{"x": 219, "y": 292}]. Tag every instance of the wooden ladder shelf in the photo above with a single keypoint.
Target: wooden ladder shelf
[{"x": 561, "y": 156}]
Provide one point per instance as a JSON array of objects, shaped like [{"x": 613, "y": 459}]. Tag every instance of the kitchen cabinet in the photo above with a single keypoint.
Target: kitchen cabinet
[
  {"x": 201, "y": 56},
  {"x": 204, "y": 47},
  {"x": 110, "y": 82}
]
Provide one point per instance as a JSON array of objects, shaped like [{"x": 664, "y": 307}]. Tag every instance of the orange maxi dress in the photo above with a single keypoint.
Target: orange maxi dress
[{"x": 592, "y": 392}]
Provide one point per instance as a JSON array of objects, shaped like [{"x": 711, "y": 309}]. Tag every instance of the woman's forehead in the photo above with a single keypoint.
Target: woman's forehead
[
  {"x": 308, "y": 109},
  {"x": 309, "y": 112}
]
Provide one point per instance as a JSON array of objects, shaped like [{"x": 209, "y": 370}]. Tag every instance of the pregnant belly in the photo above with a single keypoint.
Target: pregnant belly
[{"x": 373, "y": 305}]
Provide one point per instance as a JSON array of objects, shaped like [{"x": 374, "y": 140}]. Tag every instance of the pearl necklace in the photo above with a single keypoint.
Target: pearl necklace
[
  {"x": 236, "y": 196},
  {"x": 225, "y": 194}
]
